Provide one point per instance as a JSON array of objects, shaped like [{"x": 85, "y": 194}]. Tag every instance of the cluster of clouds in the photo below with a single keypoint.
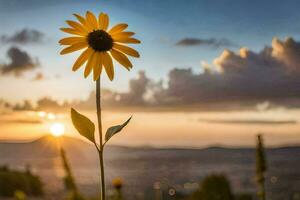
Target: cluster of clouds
[
  {"x": 232, "y": 80},
  {"x": 273, "y": 74},
  {"x": 19, "y": 60}
]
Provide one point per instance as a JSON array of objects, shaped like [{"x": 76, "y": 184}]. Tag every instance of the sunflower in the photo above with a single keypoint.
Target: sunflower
[{"x": 100, "y": 44}]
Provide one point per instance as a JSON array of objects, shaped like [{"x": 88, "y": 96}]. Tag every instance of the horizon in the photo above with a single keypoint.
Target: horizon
[
  {"x": 141, "y": 146},
  {"x": 146, "y": 146}
]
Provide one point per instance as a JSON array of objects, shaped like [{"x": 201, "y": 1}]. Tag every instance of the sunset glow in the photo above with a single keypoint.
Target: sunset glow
[{"x": 57, "y": 129}]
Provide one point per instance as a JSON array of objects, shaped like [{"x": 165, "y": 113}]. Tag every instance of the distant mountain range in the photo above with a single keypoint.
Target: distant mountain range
[
  {"x": 47, "y": 146},
  {"x": 141, "y": 167}
]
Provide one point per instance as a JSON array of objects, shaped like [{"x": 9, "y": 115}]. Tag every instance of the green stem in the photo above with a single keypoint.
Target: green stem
[
  {"x": 100, "y": 150},
  {"x": 262, "y": 190}
]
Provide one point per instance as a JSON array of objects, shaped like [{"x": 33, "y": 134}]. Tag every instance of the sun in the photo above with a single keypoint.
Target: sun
[{"x": 57, "y": 129}]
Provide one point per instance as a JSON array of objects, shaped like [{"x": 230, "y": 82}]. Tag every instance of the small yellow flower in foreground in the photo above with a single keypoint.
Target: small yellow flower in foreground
[
  {"x": 100, "y": 44},
  {"x": 117, "y": 183}
]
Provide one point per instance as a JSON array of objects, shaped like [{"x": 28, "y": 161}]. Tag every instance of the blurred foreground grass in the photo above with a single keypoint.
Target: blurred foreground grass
[
  {"x": 23, "y": 185},
  {"x": 13, "y": 180}
]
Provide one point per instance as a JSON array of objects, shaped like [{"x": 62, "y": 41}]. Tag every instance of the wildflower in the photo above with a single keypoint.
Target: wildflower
[
  {"x": 100, "y": 44},
  {"x": 117, "y": 183}
]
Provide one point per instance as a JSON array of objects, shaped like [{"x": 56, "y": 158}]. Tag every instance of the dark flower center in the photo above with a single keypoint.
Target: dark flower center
[{"x": 100, "y": 40}]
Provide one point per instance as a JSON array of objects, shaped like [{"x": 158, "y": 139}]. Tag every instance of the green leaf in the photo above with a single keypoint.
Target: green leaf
[
  {"x": 115, "y": 129},
  {"x": 83, "y": 125}
]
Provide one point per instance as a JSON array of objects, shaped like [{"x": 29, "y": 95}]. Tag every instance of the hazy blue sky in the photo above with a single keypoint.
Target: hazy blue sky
[{"x": 158, "y": 24}]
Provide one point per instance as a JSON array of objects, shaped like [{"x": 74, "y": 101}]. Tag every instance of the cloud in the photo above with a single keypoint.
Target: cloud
[
  {"x": 20, "y": 61},
  {"x": 251, "y": 122},
  {"x": 212, "y": 42},
  {"x": 4, "y": 107},
  {"x": 136, "y": 96},
  {"x": 47, "y": 103},
  {"x": 26, "y": 105},
  {"x": 137, "y": 90},
  {"x": 288, "y": 52},
  {"x": 38, "y": 77},
  {"x": 21, "y": 121},
  {"x": 24, "y": 36}
]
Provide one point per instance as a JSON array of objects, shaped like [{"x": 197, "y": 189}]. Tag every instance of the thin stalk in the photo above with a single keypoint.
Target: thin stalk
[
  {"x": 100, "y": 149},
  {"x": 69, "y": 176},
  {"x": 262, "y": 192}
]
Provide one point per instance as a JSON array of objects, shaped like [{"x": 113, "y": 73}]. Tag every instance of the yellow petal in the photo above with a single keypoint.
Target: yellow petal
[
  {"x": 71, "y": 40},
  {"x": 103, "y": 20},
  {"x": 90, "y": 64},
  {"x": 127, "y": 50},
  {"x": 121, "y": 58},
  {"x": 73, "y": 31},
  {"x": 91, "y": 20},
  {"x": 83, "y": 22},
  {"x": 120, "y": 37},
  {"x": 128, "y": 40},
  {"x": 108, "y": 65},
  {"x": 82, "y": 59},
  {"x": 77, "y": 26},
  {"x": 117, "y": 28},
  {"x": 122, "y": 34},
  {"x": 98, "y": 65},
  {"x": 80, "y": 18},
  {"x": 74, "y": 47}
]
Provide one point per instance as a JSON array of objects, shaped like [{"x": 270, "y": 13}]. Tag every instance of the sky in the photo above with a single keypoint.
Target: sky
[
  {"x": 219, "y": 56},
  {"x": 159, "y": 25}
]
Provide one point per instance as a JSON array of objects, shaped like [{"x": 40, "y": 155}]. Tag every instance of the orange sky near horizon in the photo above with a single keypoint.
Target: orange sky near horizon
[{"x": 169, "y": 129}]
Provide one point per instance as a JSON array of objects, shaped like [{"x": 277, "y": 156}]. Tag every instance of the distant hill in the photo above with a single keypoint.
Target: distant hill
[{"x": 46, "y": 146}]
